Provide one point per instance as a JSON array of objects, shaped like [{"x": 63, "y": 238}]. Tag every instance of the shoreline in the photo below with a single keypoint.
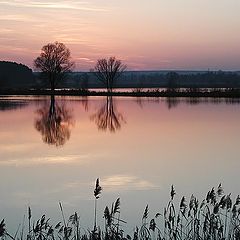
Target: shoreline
[{"x": 218, "y": 93}]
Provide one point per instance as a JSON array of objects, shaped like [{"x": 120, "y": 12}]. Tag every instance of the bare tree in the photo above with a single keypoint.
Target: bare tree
[
  {"x": 108, "y": 71},
  {"x": 54, "y": 62}
]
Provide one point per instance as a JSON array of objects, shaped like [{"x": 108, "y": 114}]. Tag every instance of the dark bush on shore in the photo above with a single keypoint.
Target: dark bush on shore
[{"x": 14, "y": 75}]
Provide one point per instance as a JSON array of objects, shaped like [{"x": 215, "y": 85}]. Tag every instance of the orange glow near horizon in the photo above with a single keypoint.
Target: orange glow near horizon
[{"x": 146, "y": 36}]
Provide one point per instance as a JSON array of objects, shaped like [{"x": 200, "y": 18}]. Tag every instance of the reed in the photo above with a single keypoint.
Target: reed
[
  {"x": 97, "y": 191},
  {"x": 216, "y": 217}
]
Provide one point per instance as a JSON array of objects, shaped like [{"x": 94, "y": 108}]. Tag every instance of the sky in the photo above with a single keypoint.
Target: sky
[{"x": 144, "y": 34}]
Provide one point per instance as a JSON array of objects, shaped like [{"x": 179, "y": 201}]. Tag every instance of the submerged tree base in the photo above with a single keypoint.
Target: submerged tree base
[{"x": 217, "y": 217}]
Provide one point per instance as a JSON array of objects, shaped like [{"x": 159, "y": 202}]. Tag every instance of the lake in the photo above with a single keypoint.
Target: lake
[{"x": 138, "y": 147}]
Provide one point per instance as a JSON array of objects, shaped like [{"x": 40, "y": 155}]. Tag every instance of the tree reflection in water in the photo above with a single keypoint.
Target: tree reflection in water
[
  {"x": 54, "y": 122},
  {"x": 8, "y": 105},
  {"x": 107, "y": 117},
  {"x": 85, "y": 103},
  {"x": 172, "y": 102}
]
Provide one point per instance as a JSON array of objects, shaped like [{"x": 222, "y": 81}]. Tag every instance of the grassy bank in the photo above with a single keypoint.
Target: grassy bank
[
  {"x": 216, "y": 217},
  {"x": 216, "y": 93}
]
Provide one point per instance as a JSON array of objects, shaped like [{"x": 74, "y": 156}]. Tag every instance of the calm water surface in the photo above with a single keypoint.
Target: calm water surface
[{"x": 137, "y": 147}]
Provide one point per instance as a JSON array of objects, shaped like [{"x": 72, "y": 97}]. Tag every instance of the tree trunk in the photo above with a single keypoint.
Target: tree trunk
[{"x": 52, "y": 87}]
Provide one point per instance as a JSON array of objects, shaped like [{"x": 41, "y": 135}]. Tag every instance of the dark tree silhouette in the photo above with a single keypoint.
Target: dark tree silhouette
[
  {"x": 54, "y": 62},
  {"x": 108, "y": 71},
  {"x": 54, "y": 123},
  {"x": 84, "y": 81},
  {"x": 107, "y": 117},
  {"x": 14, "y": 75},
  {"x": 172, "y": 78}
]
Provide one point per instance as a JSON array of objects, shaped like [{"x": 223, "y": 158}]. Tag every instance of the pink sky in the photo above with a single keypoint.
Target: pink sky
[{"x": 146, "y": 35}]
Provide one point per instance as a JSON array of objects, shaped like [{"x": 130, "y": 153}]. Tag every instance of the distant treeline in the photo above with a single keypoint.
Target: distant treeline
[
  {"x": 160, "y": 79},
  {"x": 19, "y": 76},
  {"x": 14, "y": 75}
]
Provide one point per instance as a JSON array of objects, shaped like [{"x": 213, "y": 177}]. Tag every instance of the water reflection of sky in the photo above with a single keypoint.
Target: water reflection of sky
[{"x": 193, "y": 145}]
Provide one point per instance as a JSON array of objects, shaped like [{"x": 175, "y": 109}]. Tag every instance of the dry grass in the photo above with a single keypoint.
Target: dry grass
[{"x": 217, "y": 217}]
